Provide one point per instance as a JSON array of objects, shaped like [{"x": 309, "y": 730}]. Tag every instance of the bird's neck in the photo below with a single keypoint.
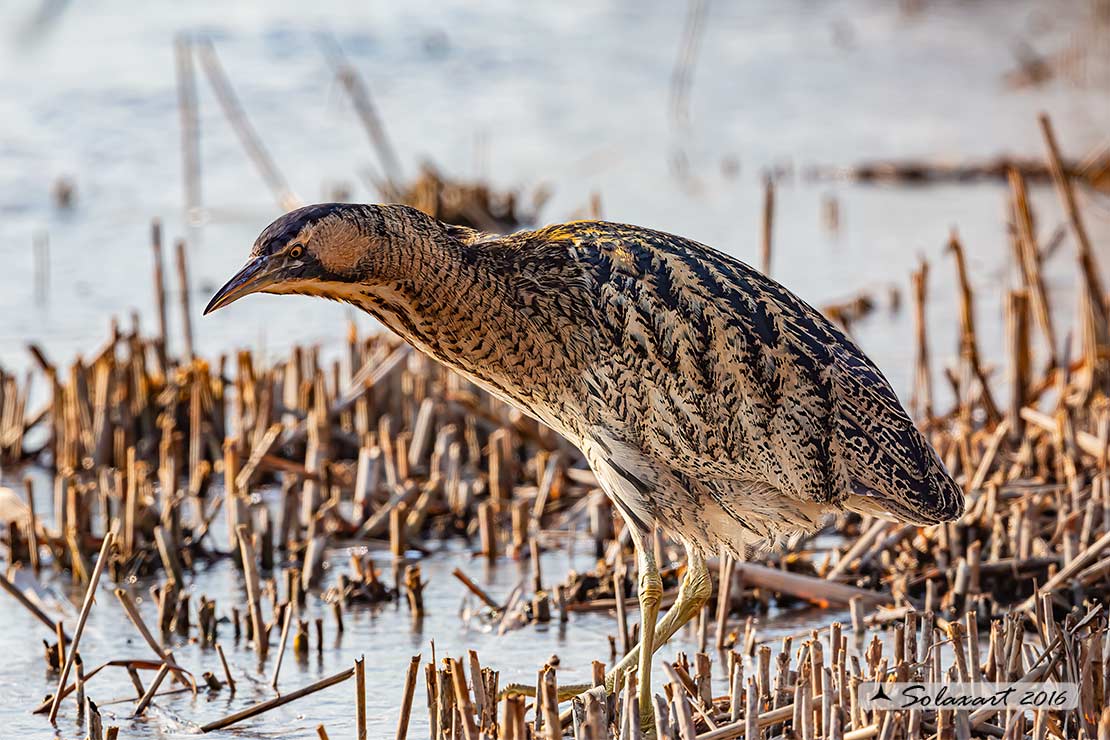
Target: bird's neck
[{"x": 457, "y": 301}]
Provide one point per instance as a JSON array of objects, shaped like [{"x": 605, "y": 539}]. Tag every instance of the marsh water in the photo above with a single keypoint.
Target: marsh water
[{"x": 577, "y": 97}]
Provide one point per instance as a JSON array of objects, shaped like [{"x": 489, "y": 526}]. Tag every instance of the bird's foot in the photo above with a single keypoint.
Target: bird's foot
[
  {"x": 565, "y": 693},
  {"x": 647, "y": 724}
]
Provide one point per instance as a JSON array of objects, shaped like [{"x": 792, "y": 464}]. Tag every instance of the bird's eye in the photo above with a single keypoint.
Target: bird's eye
[{"x": 296, "y": 251}]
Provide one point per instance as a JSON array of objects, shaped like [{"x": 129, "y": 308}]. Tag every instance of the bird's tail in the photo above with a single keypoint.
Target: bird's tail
[{"x": 941, "y": 501}]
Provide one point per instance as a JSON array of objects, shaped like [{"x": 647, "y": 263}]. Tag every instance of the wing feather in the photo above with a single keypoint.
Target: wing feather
[{"x": 723, "y": 374}]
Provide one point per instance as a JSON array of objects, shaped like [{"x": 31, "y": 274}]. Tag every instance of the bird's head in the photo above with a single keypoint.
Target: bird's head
[{"x": 327, "y": 249}]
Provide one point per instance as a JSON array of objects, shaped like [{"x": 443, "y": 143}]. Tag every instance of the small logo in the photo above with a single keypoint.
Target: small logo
[
  {"x": 892, "y": 695},
  {"x": 880, "y": 694}
]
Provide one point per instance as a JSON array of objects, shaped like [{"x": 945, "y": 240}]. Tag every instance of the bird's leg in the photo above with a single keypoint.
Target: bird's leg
[
  {"x": 650, "y": 593},
  {"x": 693, "y": 592}
]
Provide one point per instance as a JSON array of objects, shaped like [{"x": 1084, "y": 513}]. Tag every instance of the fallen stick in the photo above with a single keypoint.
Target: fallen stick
[
  {"x": 680, "y": 679},
  {"x": 630, "y": 603},
  {"x": 1077, "y": 564},
  {"x": 917, "y": 172},
  {"x": 860, "y": 546},
  {"x": 989, "y": 456},
  {"x": 378, "y": 522},
  {"x": 266, "y": 706},
  {"x": 148, "y": 665},
  {"x": 475, "y": 589},
  {"x": 262, "y": 449},
  {"x": 86, "y": 607},
  {"x": 19, "y": 596},
  {"x": 1094, "y": 572},
  {"x": 126, "y": 699},
  {"x": 137, "y": 620},
  {"x": 739, "y": 728},
  {"x": 806, "y": 587},
  {"x": 148, "y": 697},
  {"x": 1087, "y": 442}
]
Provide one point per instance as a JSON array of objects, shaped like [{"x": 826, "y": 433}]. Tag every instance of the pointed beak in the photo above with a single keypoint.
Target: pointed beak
[{"x": 256, "y": 276}]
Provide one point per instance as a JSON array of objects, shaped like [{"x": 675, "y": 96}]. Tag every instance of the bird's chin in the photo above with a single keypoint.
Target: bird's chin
[
  {"x": 290, "y": 287},
  {"x": 336, "y": 291}
]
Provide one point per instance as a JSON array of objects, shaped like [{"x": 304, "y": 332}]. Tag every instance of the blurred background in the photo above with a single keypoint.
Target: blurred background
[{"x": 663, "y": 114}]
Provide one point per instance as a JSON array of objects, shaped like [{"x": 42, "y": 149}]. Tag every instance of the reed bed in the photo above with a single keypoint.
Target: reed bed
[{"x": 148, "y": 448}]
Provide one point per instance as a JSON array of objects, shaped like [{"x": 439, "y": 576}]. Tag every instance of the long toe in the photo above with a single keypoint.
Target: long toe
[{"x": 647, "y": 723}]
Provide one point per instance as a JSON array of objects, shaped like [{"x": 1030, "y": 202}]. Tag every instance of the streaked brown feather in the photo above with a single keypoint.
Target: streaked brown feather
[{"x": 705, "y": 395}]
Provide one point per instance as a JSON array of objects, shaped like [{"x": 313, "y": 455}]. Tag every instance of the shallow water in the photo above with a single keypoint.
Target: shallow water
[
  {"x": 385, "y": 634},
  {"x": 574, "y": 96}
]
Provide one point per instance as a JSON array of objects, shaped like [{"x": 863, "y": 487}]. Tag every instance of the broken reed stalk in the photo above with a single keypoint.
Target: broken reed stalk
[
  {"x": 227, "y": 669},
  {"x": 32, "y": 525},
  {"x": 29, "y": 605},
  {"x": 406, "y": 698},
  {"x": 724, "y": 599},
  {"x": 475, "y": 589},
  {"x": 360, "y": 697},
  {"x": 622, "y": 619},
  {"x": 1021, "y": 370},
  {"x": 363, "y": 103},
  {"x": 288, "y": 617},
  {"x": 132, "y": 612},
  {"x": 248, "y": 137},
  {"x": 768, "y": 225},
  {"x": 159, "y": 289},
  {"x": 86, "y": 607},
  {"x": 922, "y": 399},
  {"x": 183, "y": 287},
  {"x": 1075, "y": 217},
  {"x": 265, "y": 706},
  {"x": 190, "y": 124},
  {"x": 254, "y": 595},
  {"x": 463, "y": 703},
  {"x": 1029, "y": 259},
  {"x": 40, "y": 250},
  {"x": 148, "y": 697},
  {"x": 969, "y": 340}
]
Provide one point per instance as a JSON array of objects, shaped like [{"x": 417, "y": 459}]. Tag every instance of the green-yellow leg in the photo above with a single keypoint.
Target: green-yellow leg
[
  {"x": 693, "y": 592},
  {"x": 650, "y": 593}
]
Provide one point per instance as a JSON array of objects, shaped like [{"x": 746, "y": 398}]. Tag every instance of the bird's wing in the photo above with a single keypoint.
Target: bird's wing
[
  {"x": 737, "y": 514},
  {"x": 706, "y": 363}
]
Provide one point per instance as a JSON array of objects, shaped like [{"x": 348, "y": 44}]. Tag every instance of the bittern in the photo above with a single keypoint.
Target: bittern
[{"x": 708, "y": 399}]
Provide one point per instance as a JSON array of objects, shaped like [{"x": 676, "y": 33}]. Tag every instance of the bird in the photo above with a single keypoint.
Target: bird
[{"x": 708, "y": 399}]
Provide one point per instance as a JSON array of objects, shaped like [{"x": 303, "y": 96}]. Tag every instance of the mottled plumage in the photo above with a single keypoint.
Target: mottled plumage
[
  {"x": 707, "y": 398},
  {"x": 724, "y": 405},
  {"x": 705, "y": 395}
]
